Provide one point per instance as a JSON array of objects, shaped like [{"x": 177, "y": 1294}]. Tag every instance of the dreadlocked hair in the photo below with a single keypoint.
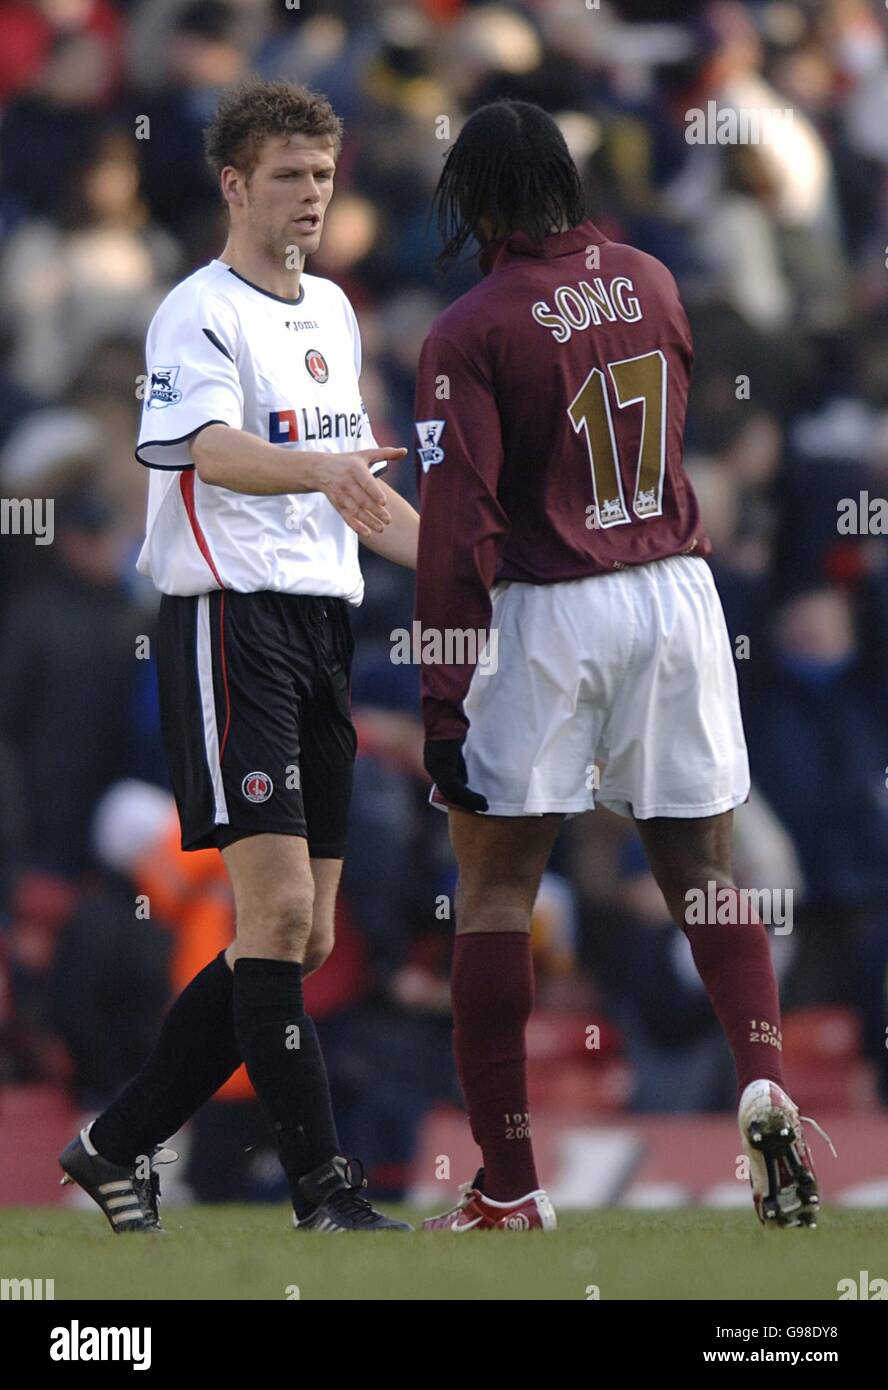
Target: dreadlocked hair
[{"x": 510, "y": 165}]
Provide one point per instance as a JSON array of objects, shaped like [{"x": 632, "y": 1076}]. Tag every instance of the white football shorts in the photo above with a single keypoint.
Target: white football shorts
[{"x": 617, "y": 689}]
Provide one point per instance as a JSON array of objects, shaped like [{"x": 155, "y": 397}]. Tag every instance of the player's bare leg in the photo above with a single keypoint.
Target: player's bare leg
[
  {"x": 734, "y": 961},
  {"x": 326, "y": 874},
  {"x": 501, "y": 861},
  {"x": 275, "y": 895}
]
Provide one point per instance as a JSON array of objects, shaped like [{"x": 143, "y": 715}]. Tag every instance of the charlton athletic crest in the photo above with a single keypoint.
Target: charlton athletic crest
[
  {"x": 257, "y": 786},
  {"x": 316, "y": 365}
]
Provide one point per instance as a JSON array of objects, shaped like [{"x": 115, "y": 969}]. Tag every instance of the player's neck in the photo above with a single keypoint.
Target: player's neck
[{"x": 267, "y": 275}]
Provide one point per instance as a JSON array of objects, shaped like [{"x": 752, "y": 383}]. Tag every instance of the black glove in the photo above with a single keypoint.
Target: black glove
[{"x": 445, "y": 764}]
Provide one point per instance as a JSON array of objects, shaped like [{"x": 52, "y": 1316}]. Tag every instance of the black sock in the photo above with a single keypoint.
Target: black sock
[
  {"x": 283, "y": 1059},
  {"x": 196, "y": 1053}
]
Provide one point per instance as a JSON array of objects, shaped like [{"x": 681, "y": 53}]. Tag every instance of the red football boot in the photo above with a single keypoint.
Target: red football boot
[{"x": 475, "y": 1212}]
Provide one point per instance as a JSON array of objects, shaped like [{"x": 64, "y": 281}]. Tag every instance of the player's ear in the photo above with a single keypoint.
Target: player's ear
[{"x": 232, "y": 184}]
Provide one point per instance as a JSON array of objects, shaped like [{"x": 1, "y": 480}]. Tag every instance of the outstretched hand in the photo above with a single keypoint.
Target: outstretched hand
[{"x": 351, "y": 488}]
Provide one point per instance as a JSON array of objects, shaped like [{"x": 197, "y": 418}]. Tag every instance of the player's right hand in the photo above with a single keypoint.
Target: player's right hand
[
  {"x": 351, "y": 488},
  {"x": 445, "y": 764}
]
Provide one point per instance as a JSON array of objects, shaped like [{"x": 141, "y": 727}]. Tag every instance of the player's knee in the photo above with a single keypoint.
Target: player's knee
[
  {"x": 281, "y": 923},
  {"x": 682, "y": 886},
  {"x": 318, "y": 950}
]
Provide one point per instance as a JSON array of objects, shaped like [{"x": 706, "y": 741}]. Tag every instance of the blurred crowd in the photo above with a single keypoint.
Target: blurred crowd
[{"x": 780, "y": 251}]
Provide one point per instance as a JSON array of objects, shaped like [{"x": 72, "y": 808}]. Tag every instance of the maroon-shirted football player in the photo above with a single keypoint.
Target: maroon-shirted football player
[{"x": 574, "y": 647}]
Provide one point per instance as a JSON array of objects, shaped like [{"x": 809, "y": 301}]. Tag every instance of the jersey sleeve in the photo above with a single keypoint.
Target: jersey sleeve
[
  {"x": 462, "y": 524},
  {"x": 192, "y": 379}
]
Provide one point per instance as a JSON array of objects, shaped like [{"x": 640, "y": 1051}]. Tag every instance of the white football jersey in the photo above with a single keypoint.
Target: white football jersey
[{"x": 220, "y": 349}]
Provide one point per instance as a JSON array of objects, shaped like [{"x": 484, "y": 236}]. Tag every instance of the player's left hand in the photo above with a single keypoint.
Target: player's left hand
[{"x": 445, "y": 764}]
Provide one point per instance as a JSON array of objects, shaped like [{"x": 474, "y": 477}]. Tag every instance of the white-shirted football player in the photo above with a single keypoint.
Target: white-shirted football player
[{"x": 262, "y": 482}]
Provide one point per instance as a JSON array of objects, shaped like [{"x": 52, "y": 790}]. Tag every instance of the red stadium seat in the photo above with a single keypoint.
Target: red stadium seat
[
  {"x": 563, "y": 1071},
  {"x": 821, "y": 1053}
]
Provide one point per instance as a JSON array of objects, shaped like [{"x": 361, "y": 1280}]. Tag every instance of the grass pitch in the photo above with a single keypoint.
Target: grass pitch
[{"x": 237, "y": 1252}]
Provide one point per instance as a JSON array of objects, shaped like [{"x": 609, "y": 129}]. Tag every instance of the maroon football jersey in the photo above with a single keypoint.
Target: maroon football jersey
[{"x": 550, "y": 407}]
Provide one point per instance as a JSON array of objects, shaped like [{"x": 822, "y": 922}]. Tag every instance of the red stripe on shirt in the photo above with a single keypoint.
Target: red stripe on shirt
[{"x": 186, "y": 487}]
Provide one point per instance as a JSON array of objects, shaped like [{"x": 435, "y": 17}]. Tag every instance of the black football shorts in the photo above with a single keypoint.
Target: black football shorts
[{"x": 255, "y": 716}]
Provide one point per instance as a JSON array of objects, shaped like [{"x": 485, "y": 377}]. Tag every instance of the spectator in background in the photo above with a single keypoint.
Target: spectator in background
[
  {"x": 99, "y": 267},
  {"x": 49, "y": 453},
  {"x": 49, "y": 123},
  {"x": 68, "y": 657},
  {"x": 204, "y": 57},
  {"x": 32, "y": 30},
  {"x": 736, "y": 487},
  {"x": 817, "y": 737},
  {"x": 109, "y": 981},
  {"x": 39, "y": 904}
]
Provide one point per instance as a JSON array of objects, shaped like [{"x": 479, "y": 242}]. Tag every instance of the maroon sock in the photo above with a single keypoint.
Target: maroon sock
[
  {"x": 492, "y": 1001},
  {"x": 734, "y": 961}
]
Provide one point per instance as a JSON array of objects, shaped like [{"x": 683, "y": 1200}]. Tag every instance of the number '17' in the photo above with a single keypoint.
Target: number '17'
[{"x": 636, "y": 381}]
